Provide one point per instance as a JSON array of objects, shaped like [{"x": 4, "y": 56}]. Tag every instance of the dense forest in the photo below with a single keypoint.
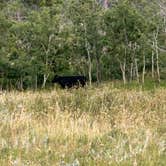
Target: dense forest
[{"x": 101, "y": 39}]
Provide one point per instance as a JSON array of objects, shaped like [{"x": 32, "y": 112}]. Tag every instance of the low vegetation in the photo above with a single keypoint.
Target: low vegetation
[{"x": 93, "y": 126}]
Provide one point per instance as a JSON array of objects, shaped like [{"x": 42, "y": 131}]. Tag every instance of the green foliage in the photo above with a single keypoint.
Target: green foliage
[{"x": 42, "y": 38}]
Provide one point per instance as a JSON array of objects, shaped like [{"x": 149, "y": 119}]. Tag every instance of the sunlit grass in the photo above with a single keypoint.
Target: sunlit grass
[{"x": 92, "y": 126}]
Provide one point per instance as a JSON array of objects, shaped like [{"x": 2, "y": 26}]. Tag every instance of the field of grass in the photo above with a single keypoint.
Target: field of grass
[{"x": 97, "y": 126}]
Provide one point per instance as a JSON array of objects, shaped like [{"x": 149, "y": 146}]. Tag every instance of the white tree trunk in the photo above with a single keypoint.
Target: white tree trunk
[
  {"x": 45, "y": 77},
  {"x": 123, "y": 70},
  {"x": 87, "y": 46},
  {"x": 46, "y": 50},
  {"x": 89, "y": 68},
  {"x": 143, "y": 70},
  {"x": 157, "y": 55},
  {"x": 153, "y": 62},
  {"x": 136, "y": 70},
  {"x": 157, "y": 66}
]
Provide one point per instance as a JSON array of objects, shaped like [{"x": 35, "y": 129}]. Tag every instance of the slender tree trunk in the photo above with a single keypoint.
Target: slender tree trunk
[
  {"x": 97, "y": 71},
  {"x": 21, "y": 83},
  {"x": 105, "y": 4},
  {"x": 89, "y": 68},
  {"x": 153, "y": 62},
  {"x": 143, "y": 70},
  {"x": 157, "y": 66},
  {"x": 18, "y": 16},
  {"x": 123, "y": 67},
  {"x": 87, "y": 46},
  {"x": 157, "y": 63},
  {"x": 123, "y": 70},
  {"x": 46, "y": 50},
  {"x": 45, "y": 77},
  {"x": 134, "y": 47},
  {"x": 157, "y": 55},
  {"x": 136, "y": 70},
  {"x": 131, "y": 72}
]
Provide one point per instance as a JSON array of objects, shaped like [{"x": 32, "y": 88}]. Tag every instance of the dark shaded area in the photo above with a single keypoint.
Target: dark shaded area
[{"x": 70, "y": 81}]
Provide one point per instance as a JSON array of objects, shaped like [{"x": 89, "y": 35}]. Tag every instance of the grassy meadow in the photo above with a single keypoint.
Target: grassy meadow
[{"x": 97, "y": 126}]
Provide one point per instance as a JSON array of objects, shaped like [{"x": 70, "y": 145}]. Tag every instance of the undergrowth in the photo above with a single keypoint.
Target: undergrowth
[{"x": 88, "y": 126}]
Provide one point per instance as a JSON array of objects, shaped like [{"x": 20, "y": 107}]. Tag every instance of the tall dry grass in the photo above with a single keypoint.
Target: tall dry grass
[{"x": 92, "y": 126}]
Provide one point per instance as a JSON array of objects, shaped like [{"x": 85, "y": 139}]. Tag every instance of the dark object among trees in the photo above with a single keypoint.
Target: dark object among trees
[{"x": 70, "y": 81}]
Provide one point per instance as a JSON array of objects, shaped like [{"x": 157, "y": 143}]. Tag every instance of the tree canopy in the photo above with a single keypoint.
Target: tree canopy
[{"x": 103, "y": 40}]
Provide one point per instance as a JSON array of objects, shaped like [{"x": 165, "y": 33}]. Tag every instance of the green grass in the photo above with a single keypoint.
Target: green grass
[{"x": 104, "y": 125}]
